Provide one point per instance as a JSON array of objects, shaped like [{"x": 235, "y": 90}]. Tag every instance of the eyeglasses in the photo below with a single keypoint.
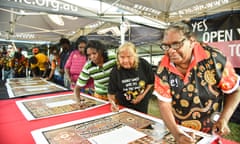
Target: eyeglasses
[{"x": 174, "y": 45}]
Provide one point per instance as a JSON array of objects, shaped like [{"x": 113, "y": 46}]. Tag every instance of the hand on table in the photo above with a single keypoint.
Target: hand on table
[
  {"x": 184, "y": 138},
  {"x": 114, "y": 107},
  {"x": 221, "y": 127}
]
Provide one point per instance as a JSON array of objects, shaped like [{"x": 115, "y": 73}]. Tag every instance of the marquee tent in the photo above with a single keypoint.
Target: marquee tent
[{"x": 140, "y": 20}]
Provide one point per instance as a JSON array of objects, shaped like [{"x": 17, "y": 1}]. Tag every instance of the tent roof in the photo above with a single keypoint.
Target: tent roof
[
  {"x": 31, "y": 21},
  {"x": 177, "y": 10}
]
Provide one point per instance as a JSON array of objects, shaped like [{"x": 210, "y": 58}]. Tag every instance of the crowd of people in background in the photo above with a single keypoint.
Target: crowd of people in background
[
  {"x": 61, "y": 65},
  {"x": 190, "y": 78},
  {"x": 12, "y": 63}
]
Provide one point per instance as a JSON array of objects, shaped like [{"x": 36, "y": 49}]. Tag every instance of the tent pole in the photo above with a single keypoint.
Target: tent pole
[
  {"x": 122, "y": 30},
  {"x": 151, "y": 54}
]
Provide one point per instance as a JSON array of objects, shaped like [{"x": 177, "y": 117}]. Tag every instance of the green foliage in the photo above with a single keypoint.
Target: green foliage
[{"x": 235, "y": 132}]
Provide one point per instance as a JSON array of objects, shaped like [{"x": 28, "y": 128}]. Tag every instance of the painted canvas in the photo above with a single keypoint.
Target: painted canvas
[
  {"x": 22, "y": 87},
  {"x": 56, "y": 105},
  {"x": 107, "y": 128}
]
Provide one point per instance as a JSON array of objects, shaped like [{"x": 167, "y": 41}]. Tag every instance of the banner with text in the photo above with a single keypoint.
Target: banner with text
[
  {"x": 222, "y": 31},
  {"x": 48, "y": 6}
]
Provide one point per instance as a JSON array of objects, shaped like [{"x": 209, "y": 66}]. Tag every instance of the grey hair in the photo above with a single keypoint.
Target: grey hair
[{"x": 181, "y": 27}]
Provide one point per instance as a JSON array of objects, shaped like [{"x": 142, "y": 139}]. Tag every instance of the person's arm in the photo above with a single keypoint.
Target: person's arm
[
  {"x": 77, "y": 95},
  {"x": 77, "y": 89},
  {"x": 230, "y": 104},
  {"x": 147, "y": 70},
  {"x": 112, "y": 89},
  {"x": 140, "y": 97},
  {"x": 67, "y": 67},
  {"x": 229, "y": 84},
  {"x": 169, "y": 120},
  {"x": 45, "y": 73},
  {"x": 33, "y": 70},
  {"x": 67, "y": 72},
  {"x": 113, "y": 102},
  {"x": 50, "y": 76},
  {"x": 53, "y": 67}
]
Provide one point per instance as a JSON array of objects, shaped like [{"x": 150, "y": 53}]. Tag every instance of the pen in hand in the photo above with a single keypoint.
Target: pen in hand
[{"x": 114, "y": 106}]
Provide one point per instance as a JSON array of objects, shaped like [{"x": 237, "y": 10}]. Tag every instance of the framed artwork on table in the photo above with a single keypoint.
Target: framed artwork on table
[
  {"x": 22, "y": 87},
  {"x": 124, "y": 127},
  {"x": 37, "y": 108}
]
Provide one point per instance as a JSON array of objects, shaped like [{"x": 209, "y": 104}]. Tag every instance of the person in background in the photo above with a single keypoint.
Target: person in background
[
  {"x": 5, "y": 62},
  {"x": 55, "y": 74},
  {"x": 3, "y": 51},
  {"x": 131, "y": 80},
  {"x": 194, "y": 84},
  {"x": 75, "y": 63},
  {"x": 19, "y": 64},
  {"x": 52, "y": 50},
  {"x": 98, "y": 68},
  {"x": 64, "y": 54},
  {"x": 39, "y": 64},
  {"x": 35, "y": 50}
]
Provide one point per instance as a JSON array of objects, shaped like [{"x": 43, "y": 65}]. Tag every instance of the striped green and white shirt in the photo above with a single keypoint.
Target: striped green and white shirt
[{"x": 100, "y": 75}]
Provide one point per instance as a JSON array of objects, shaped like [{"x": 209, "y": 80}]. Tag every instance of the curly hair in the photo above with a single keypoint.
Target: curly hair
[{"x": 100, "y": 48}]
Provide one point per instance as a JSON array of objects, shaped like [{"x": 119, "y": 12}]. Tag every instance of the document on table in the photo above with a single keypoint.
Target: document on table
[{"x": 121, "y": 135}]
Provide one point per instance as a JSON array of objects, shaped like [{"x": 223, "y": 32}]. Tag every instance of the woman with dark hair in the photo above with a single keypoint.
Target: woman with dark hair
[
  {"x": 195, "y": 84},
  {"x": 98, "y": 68},
  {"x": 75, "y": 63}
]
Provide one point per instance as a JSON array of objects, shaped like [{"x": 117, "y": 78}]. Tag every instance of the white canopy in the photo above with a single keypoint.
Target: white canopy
[{"x": 46, "y": 20}]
